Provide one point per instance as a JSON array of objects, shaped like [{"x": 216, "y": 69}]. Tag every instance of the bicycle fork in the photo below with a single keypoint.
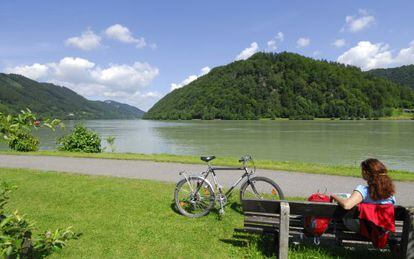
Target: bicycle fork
[{"x": 221, "y": 196}]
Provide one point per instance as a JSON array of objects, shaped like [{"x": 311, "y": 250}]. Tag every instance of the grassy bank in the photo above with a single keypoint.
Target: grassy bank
[
  {"x": 397, "y": 175},
  {"x": 398, "y": 114},
  {"x": 128, "y": 218}
]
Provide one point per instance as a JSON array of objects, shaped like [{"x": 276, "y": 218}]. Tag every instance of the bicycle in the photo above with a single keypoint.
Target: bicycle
[{"x": 195, "y": 196}]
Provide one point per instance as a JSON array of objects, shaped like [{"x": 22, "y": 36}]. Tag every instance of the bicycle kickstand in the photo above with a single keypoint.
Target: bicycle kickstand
[{"x": 221, "y": 211}]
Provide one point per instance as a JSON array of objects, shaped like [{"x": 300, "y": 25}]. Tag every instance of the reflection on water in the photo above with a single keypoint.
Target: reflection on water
[{"x": 331, "y": 142}]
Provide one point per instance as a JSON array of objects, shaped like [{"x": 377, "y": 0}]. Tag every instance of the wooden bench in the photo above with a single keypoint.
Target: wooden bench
[{"x": 285, "y": 220}]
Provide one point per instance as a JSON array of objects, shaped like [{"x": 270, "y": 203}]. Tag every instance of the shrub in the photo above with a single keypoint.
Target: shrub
[
  {"x": 80, "y": 139},
  {"x": 17, "y": 130},
  {"x": 16, "y": 233},
  {"x": 23, "y": 141}
]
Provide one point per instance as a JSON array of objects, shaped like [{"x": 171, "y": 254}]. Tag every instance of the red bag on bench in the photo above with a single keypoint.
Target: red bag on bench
[{"x": 316, "y": 226}]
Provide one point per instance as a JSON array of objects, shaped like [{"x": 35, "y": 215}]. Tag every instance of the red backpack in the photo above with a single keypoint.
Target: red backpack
[{"x": 316, "y": 226}]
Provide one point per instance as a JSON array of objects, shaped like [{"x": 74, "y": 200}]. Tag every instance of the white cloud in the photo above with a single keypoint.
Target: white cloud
[
  {"x": 406, "y": 56},
  {"x": 359, "y": 22},
  {"x": 367, "y": 55},
  {"x": 189, "y": 79},
  {"x": 303, "y": 42},
  {"x": 123, "y": 34},
  {"x": 125, "y": 77},
  {"x": 71, "y": 70},
  {"x": 248, "y": 52},
  {"x": 205, "y": 70},
  {"x": 272, "y": 44},
  {"x": 87, "y": 41},
  {"x": 34, "y": 71},
  {"x": 120, "y": 81},
  {"x": 339, "y": 43}
]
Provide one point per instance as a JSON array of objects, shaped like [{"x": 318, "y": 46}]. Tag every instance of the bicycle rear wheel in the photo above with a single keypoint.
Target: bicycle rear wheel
[
  {"x": 194, "y": 198},
  {"x": 261, "y": 188}
]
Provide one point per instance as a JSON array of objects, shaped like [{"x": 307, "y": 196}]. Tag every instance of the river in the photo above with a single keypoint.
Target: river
[{"x": 327, "y": 142}]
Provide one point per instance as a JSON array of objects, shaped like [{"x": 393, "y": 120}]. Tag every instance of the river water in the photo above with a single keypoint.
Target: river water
[{"x": 327, "y": 142}]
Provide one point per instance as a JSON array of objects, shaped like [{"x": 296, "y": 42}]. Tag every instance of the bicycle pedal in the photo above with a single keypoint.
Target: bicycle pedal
[{"x": 221, "y": 211}]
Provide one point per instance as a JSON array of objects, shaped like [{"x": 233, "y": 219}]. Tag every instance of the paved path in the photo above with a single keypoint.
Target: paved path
[{"x": 292, "y": 184}]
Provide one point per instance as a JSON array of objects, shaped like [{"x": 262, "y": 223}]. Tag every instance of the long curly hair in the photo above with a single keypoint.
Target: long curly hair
[{"x": 380, "y": 185}]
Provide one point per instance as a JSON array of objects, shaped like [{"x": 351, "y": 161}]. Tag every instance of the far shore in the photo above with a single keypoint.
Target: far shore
[{"x": 325, "y": 169}]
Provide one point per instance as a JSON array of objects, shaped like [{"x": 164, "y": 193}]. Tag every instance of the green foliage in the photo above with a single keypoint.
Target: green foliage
[
  {"x": 18, "y": 92},
  {"x": 23, "y": 141},
  {"x": 17, "y": 130},
  {"x": 111, "y": 143},
  {"x": 16, "y": 233},
  {"x": 403, "y": 75},
  {"x": 80, "y": 139},
  {"x": 287, "y": 85}
]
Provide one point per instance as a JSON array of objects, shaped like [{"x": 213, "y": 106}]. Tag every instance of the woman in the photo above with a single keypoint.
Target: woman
[{"x": 380, "y": 190}]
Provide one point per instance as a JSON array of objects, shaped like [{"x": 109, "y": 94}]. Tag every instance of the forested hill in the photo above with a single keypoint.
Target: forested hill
[
  {"x": 48, "y": 100},
  {"x": 402, "y": 75},
  {"x": 287, "y": 85}
]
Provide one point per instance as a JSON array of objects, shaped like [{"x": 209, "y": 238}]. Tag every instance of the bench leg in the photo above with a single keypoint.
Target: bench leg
[
  {"x": 407, "y": 242},
  {"x": 395, "y": 249},
  {"x": 283, "y": 231}
]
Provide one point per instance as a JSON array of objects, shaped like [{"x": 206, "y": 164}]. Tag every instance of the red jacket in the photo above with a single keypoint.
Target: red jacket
[{"x": 376, "y": 222}]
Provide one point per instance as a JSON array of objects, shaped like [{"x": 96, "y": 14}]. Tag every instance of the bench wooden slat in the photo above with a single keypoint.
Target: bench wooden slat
[
  {"x": 274, "y": 229},
  {"x": 270, "y": 215},
  {"x": 270, "y": 220},
  {"x": 298, "y": 223},
  {"x": 297, "y": 208},
  {"x": 296, "y": 220}
]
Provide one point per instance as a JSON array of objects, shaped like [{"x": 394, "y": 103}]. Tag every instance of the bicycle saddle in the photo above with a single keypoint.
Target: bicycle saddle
[{"x": 207, "y": 158}]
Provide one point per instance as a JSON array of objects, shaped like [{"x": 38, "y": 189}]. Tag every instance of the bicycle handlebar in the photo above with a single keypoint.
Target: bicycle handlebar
[{"x": 245, "y": 158}]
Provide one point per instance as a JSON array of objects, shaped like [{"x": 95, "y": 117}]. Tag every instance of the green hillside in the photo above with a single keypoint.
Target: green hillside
[
  {"x": 287, "y": 85},
  {"x": 401, "y": 75},
  {"x": 48, "y": 100}
]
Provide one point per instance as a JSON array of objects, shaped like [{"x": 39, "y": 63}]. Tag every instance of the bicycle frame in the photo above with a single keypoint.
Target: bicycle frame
[{"x": 216, "y": 181}]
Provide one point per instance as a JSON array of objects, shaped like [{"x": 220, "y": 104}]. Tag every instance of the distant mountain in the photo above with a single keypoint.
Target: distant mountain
[
  {"x": 401, "y": 75},
  {"x": 287, "y": 85},
  {"x": 48, "y": 100}
]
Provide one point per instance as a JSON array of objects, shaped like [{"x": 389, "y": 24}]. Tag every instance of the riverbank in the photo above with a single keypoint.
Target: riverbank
[
  {"x": 130, "y": 218},
  {"x": 310, "y": 168}
]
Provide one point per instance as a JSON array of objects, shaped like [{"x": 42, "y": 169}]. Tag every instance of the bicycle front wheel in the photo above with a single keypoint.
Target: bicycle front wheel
[
  {"x": 261, "y": 188},
  {"x": 194, "y": 197}
]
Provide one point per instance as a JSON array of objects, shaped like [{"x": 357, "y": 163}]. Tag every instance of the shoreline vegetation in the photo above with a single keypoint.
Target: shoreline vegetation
[
  {"x": 396, "y": 114},
  {"x": 291, "y": 166}
]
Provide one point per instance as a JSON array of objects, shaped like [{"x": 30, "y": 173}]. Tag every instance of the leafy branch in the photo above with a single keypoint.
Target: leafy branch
[{"x": 16, "y": 233}]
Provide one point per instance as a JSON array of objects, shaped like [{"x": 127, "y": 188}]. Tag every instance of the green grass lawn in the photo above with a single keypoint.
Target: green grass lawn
[
  {"x": 351, "y": 171},
  {"x": 128, "y": 218}
]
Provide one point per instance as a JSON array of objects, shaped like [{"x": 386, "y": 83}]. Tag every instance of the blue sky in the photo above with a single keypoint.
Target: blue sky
[{"x": 136, "y": 52}]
